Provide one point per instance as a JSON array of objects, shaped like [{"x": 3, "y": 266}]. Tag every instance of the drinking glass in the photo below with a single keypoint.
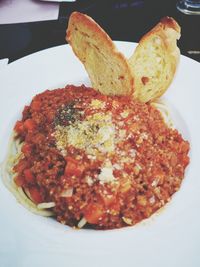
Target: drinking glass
[{"x": 190, "y": 7}]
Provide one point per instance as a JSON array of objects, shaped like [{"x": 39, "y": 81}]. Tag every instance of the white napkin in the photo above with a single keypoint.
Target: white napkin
[
  {"x": 16, "y": 11},
  {"x": 59, "y": 0}
]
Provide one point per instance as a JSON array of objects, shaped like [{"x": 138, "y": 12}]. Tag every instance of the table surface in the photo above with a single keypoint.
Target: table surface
[{"x": 125, "y": 20}]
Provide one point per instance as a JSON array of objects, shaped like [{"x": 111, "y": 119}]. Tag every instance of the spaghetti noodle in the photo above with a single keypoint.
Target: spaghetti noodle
[
  {"x": 88, "y": 159},
  {"x": 23, "y": 197},
  {"x": 165, "y": 112}
]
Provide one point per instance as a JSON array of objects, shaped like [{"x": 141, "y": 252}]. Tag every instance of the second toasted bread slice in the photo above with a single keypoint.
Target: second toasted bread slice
[
  {"x": 155, "y": 60},
  {"x": 107, "y": 68}
]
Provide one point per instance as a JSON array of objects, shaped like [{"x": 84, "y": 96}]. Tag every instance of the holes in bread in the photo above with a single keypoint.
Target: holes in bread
[
  {"x": 121, "y": 77},
  {"x": 157, "y": 41},
  {"x": 144, "y": 80}
]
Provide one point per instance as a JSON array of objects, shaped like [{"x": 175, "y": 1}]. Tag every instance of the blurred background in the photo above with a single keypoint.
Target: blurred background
[{"x": 26, "y": 29}]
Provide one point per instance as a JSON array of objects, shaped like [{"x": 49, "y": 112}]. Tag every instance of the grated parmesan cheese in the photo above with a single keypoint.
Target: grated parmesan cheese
[
  {"x": 137, "y": 169},
  {"x": 95, "y": 103},
  {"x": 124, "y": 114},
  {"x": 127, "y": 220},
  {"x": 106, "y": 174},
  {"x": 117, "y": 166},
  {"x": 122, "y": 134},
  {"x": 144, "y": 136},
  {"x": 94, "y": 134},
  {"x": 152, "y": 200},
  {"x": 132, "y": 152},
  {"x": 89, "y": 180},
  {"x": 136, "y": 118}
]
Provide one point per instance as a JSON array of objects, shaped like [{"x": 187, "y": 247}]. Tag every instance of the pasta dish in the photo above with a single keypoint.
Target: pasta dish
[{"x": 92, "y": 160}]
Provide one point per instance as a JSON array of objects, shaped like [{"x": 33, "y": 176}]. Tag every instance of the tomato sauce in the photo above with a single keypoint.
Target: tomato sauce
[{"x": 110, "y": 160}]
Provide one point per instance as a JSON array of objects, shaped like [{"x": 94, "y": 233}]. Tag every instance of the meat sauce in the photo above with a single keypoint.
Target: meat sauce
[{"x": 110, "y": 160}]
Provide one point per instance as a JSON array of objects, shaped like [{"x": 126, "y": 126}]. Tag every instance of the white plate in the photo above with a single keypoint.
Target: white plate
[{"x": 170, "y": 238}]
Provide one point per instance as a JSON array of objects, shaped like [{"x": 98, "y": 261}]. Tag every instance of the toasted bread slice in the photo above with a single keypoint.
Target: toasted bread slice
[
  {"x": 107, "y": 68},
  {"x": 155, "y": 60}
]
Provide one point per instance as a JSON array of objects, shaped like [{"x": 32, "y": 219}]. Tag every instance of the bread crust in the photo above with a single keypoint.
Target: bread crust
[
  {"x": 78, "y": 18},
  {"x": 96, "y": 40},
  {"x": 171, "y": 23}
]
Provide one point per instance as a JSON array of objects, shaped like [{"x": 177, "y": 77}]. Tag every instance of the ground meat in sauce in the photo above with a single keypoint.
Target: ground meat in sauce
[{"x": 111, "y": 160}]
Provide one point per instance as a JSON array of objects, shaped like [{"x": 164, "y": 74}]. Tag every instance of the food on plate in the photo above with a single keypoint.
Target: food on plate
[
  {"x": 146, "y": 74},
  {"x": 93, "y": 160},
  {"x": 155, "y": 60},
  {"x": 108, "y": 69},
  {"x": 103, "y": 157}
]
